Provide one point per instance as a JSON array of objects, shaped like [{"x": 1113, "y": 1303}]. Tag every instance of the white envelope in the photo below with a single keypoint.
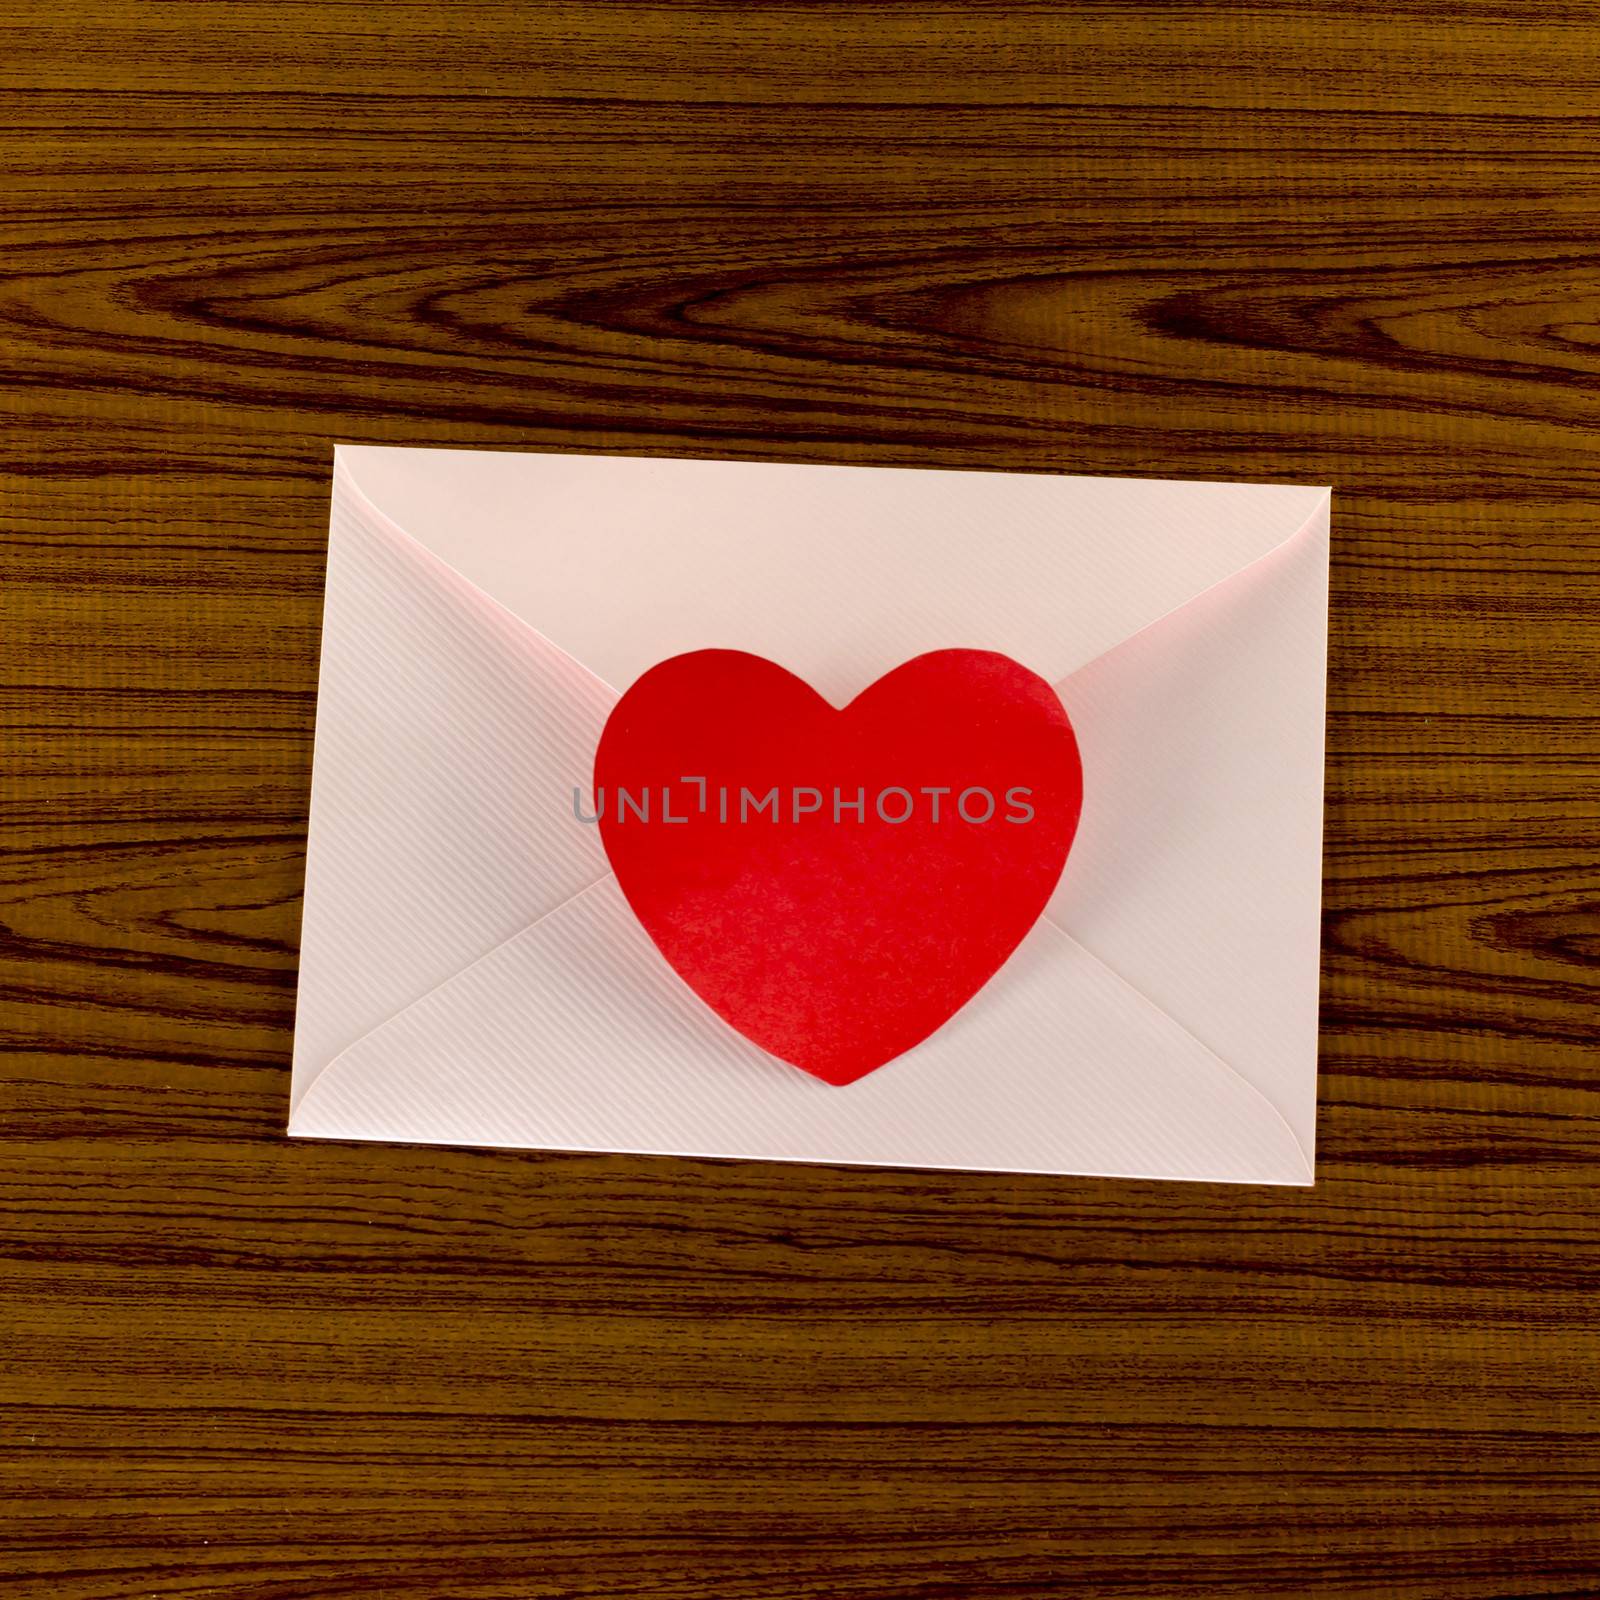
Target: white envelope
[{"x": 470, "y": 973}]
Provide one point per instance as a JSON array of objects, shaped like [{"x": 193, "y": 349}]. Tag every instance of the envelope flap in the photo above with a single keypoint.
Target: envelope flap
[
  {"x": 575, "y": 1035},
  {"x": 1197, "y": 867},
  {"x": 837, "y": 572},
  {"x": 447, "y": 737}
]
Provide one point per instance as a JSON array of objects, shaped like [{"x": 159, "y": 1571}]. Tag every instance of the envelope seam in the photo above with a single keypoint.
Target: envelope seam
[
  {"x": 1235, "y": 576},
  {"x": 1044, "y": 921},
  {"x": 344, "y": 480},
  {"x": 1320, "y": 514},
  {"x": 444, "y": 983},
  {"x": 1306, "y": 1161},
  {"x": 346, "y": 476}
]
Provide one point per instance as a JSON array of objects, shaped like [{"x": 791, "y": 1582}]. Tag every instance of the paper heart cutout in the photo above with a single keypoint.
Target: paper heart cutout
[{"x": 831, "y": 935}]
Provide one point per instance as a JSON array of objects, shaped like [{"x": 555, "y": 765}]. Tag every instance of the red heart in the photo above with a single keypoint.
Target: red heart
[{"x": 832, "y": 939}]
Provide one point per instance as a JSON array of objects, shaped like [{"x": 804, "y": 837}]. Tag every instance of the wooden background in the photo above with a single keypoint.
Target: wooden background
[{"x": 1300, "y": 240}]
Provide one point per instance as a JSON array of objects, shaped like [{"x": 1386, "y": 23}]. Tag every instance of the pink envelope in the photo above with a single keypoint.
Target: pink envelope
[{"x": 470, "y": 973}]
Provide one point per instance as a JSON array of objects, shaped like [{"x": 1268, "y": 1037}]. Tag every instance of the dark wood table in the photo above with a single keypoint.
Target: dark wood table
[{"x": 1345, "y": 243}]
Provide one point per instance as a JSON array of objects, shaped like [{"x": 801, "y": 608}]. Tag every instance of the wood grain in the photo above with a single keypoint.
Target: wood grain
[{"x": 1328, "y": 241}]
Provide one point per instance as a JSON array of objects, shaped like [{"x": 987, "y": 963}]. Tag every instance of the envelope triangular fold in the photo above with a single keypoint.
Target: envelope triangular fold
[
  {"x": 449, "y": 740},
  {"x": 1196, "y": 872},
  {"x": 575, "y": 1035},
  {"x": 838, "y": 573}
]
